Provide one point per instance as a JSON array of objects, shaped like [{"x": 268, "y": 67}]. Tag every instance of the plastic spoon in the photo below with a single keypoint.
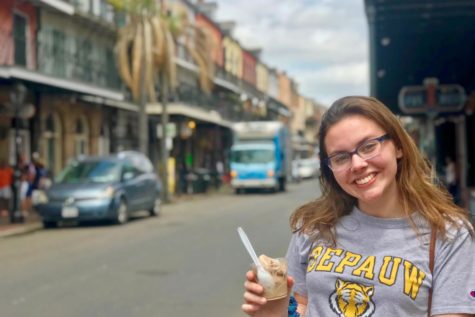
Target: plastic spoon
[{"x": 263, "y": 275}]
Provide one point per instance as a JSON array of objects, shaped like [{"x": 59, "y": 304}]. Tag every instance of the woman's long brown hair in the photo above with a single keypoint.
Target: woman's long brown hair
[{"x": 415, "y": 178}]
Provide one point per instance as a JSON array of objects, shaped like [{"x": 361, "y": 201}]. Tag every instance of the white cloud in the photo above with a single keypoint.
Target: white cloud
[
  {"x": 322, "y": 44},
  {"x": 332, "y": 82}
]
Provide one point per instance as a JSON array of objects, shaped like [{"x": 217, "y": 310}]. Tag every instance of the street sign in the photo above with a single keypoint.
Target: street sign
[
  {"x": 432, "y": 98},
  {"x": 171, "y": 130}
]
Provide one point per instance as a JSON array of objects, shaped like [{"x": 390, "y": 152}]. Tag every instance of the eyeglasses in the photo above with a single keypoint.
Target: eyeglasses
[{"x": 370, "y": 148}]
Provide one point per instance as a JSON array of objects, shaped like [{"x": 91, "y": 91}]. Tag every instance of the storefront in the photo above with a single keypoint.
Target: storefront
[
  {"x": 199, "y": 144},
  {"x": 422, "y": 66}
]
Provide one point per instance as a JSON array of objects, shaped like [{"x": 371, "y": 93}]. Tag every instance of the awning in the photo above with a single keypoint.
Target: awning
[
  {"x": 64, "y": 83},
  {"x": 62, "y": 6},
  {"x": 189, "y": 111},
  {"x": 111, "y": 103}
]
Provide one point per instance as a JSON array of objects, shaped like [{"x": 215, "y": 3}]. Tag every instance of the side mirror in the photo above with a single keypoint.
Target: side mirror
[{"x": 128, "y": 176}]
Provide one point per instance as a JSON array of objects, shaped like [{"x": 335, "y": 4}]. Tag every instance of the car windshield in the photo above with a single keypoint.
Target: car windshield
[
  {"x": 252, "y": 156},
  {"x": 90, "y": 172}
]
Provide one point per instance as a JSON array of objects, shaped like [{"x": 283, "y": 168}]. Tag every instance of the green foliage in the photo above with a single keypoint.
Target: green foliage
[{"x": 135, "y": 7}]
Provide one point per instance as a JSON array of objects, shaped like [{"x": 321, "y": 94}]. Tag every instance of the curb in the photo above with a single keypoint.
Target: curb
[{"x": 20, "y": 229}]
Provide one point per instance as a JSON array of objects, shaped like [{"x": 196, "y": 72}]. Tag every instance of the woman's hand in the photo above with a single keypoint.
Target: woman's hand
[{"x": 256, "y": 305}]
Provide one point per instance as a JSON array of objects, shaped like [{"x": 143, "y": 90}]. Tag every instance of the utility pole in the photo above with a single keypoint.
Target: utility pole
[{"x": 163, "y": 143}]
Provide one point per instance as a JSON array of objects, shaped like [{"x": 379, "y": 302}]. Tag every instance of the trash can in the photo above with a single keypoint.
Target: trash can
[
  {"x": 191, "y": 180},
  {"x": 202, "y": 180},
  {"x": 215, "y": 179}
]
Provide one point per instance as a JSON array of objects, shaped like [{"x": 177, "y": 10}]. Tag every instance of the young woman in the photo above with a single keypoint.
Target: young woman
[{"x": 363, "y": 247}]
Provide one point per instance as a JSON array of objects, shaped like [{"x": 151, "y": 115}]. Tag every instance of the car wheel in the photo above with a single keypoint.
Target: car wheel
[
  {"x": 155, "y": 210},
  {"x": 121, "y": 213},
  {"x": 49, "y": 224}
]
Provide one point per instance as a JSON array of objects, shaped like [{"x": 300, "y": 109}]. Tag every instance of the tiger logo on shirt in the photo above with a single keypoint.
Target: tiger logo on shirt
[{"x": 352, "y": 299}]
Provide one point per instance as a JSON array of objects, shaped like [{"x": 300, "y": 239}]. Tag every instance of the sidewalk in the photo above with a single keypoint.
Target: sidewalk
[{"x": 33, "y": 222}]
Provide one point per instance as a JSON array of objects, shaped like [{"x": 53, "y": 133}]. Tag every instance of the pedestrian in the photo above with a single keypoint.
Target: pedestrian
[
  {"x": 363, "y": 248},
  {"x": 182, "y": 177},
  {"x": 25, "y": 204},
  {"x": 451, "y": 178},
  {"x": 6, "y": 182},
  {"x": 36, "y": 177},
  {"x": 295, "y": 169},
  {"x": 219, "y": 173}
]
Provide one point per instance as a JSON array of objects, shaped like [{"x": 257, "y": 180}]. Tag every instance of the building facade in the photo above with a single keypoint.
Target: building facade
[{"x": 61, "y": 95}]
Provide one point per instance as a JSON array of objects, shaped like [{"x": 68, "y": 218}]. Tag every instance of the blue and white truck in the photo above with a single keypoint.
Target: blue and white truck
[{"x": 260, "y": 156}]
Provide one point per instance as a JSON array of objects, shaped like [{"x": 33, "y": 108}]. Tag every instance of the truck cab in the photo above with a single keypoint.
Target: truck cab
[{"x": 259, "y": 156}]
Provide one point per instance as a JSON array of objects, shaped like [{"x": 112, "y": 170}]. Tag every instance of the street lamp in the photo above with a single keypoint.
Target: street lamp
[{"x": 17, "y": 98}]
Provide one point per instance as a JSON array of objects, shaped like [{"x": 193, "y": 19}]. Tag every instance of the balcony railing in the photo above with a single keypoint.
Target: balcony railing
[
  {"x": 221, "y": 73},
  {"x": 76, "y": 59},
  {"x": 226, "y": 104},
  {"x": 102, "y": 10}
]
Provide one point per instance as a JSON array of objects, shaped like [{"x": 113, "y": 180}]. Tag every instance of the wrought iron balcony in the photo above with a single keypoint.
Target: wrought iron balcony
[
  {"x": 226, "y": 104},
  {"x": 76, "y": 59}
]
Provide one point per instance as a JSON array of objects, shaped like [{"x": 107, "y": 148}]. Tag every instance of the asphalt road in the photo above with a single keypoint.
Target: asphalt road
[{"x": 187, "y": 262}]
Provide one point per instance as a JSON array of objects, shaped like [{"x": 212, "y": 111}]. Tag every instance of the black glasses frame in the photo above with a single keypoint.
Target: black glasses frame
[{"x": 380, "y": 139}]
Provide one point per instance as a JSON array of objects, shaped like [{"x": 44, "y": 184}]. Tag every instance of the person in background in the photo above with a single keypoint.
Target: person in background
[
  {"x": 363, "y": 248},
  {"x": 451, "y": 178},
  {"x": 6, "y": 182},
  {"x": 36, "y": 175},
  {"x": 295, "y": 169},
  {"x": 182, "y": 176},
  {"x": 219, "y": 173},
  {"x": 24, "y": 186}
]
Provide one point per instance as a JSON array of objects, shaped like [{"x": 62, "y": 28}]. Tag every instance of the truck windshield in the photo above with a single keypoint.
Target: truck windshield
[{"x": 252, "y": 156}]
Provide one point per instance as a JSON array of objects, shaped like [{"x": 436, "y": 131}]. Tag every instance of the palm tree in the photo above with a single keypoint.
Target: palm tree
[{"x": 145, "y": 51}]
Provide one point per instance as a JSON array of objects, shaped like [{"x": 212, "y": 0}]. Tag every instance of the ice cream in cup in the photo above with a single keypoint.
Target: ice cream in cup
[
  {"x": 278, "y": 270},
  {"x": 271, "y": 273}
]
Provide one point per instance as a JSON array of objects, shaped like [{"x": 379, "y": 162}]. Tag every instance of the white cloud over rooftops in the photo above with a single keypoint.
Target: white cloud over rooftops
[{"x": 322, "y": 44}]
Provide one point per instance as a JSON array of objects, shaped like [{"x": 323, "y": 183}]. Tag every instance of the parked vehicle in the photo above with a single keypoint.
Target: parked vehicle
[
  {"x": 101, "y": 188},
  {"x": 260, "y": 156},
  {"x": 308, "y": 167}
]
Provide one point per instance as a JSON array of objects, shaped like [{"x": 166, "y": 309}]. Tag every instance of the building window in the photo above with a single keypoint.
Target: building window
[
  {"x": 112, "y": 78},
  {"x": 59, "y": 53},
  {"x": 84, "y": 5},
  {"x": 106, "y": 11},
  {"x": 83, "y": 62},
  {"x": 20, "y": 27},
  {"x": 81, "y": 137},
  {"x": 104, "y": 140}
]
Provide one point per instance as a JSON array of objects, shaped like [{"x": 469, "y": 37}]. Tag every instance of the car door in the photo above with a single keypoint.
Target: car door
[
  {"x": 147, "y": 181},
  {"x": 131, "y": 185}
]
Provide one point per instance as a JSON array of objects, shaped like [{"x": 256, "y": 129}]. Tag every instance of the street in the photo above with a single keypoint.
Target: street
[{"x": 187, "y": 262}]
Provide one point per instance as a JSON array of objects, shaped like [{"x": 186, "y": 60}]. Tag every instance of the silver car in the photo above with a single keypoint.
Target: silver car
[{"x": 101, "y": 188}]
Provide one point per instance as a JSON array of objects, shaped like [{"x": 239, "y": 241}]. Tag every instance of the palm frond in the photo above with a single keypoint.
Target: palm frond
[
  {"x": 125, "y": 38},
  {"x": 137, "y": 62}
]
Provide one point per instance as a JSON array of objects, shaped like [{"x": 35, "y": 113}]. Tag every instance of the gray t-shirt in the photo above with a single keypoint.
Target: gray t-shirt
[{"x": 380, "y": 267}]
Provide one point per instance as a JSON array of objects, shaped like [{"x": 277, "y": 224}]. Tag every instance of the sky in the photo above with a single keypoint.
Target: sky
[{"x": 321, "y": 44}]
